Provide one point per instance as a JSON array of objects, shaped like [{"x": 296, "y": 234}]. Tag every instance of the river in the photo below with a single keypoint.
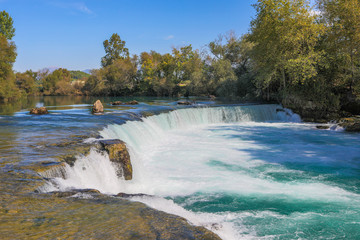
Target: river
[{"x": 243, "y": 171}]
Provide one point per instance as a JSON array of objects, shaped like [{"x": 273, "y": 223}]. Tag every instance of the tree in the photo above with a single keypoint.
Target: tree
[
  {"x": 342, "y": 41},
  {"x": 6, "y": 25},
  {"x": 285, "y": 34},
  {"x": 7, "y": 79},
  {"x": 26, "y": 82},
  {"x": 58, "y": 83},
  {"x": 114, "y": 49}
]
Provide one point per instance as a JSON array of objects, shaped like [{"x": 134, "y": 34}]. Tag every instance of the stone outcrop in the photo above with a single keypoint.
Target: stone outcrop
[
  {"x": 97, "y": 107},
  {"x": 119, "y": 155},
  {"x": 39, "y": 111},
  {"x": 351, "y": 124}
]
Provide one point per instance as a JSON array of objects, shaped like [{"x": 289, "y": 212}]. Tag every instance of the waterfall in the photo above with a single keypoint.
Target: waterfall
[{"x": 96, "y": 171}]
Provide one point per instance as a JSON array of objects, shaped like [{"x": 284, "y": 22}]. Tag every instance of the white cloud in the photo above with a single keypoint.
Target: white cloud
[
  {"x": 78, "y": 6},
  {"x": 169, "y": 37}
]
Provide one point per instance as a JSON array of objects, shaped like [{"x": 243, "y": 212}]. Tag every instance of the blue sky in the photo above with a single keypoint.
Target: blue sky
[{"x": 69, "y": 34}]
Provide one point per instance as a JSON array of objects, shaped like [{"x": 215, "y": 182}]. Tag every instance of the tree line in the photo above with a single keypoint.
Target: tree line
[{"x": 302, "y": 56}]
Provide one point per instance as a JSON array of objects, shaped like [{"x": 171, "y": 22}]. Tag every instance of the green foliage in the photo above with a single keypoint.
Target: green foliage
[
  {"x": 285, "y": 35},
  {"x": 77, "y": 75},
  {"x": 6, "y": 25},
  {"x": 26, "y": 82},
  {"x": 58, "y": 83},
  {"x": 114, "y": 49},
  {"x": 342, "y": 42},
  {"x": 8, "y": 54}
]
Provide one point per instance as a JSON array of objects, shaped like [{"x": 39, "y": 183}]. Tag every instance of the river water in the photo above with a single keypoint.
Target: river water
[{"x": 243, "y": 171}]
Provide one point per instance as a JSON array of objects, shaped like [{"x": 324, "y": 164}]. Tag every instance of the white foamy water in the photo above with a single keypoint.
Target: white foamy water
[{"x": 237, "y": 151}]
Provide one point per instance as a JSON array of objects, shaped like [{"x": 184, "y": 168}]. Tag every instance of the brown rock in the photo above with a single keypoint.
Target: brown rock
[
  {"x": 39, "y": 111},
  {"x": 184, "y": 103},
  {"x": 133, "y": 102},
  {"x": 116, "y": 103},
  {"x": 351, "y": 124},
  {"x": 322, "y": 127},
  {"x": 98, "y": 107},
  {"x": 119, "y": 155}
]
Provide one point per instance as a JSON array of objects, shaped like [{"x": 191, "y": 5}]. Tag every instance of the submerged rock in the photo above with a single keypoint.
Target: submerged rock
[
  {"x": 322, "y": 127},
  {"x": 116, "y": 103},
  {"x": 98, "y": 107},
  {"x": 119, "y": 155},
  {"x": 39, "y": 111},
  {"x": 126, "y": 195},
  {"x": 133, "y": 102},
  {"x": 185, "y": 103}
]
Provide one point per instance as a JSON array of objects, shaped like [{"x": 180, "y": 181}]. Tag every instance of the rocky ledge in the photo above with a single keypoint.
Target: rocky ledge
[
  {"x": 119, "y": 155},
  {"x": 350, "y": 124}
]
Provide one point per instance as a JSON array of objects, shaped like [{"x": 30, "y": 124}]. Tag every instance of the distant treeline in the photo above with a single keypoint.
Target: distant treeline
[{"x": 306, "y": 58}]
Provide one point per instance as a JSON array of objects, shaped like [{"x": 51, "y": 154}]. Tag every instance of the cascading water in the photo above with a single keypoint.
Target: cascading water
[{"x": 242, "y": 171}]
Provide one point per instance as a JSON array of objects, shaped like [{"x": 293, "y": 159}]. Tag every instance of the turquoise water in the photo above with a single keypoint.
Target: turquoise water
[{"x": 245, "y": 172}]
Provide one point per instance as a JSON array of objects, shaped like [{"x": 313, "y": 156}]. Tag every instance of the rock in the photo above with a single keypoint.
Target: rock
[
  {"x": 322, "y": 127},
  {"x": 185, "y": 103},
  {"x": 133, "y": 102},
  {"x": 126, "y": 195},
  {"x": 212, "y": 97},
  {"x": 351, "y": 124},
  {"x": 119, "y": 155},
  {"x": 116, "y": 103},
  {"x": 98, "y": 107},
  {"x": 39, "y": 111}
]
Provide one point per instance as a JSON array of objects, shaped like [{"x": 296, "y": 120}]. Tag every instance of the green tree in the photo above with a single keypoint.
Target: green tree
[
  {"x": 114, "y": 49},
  {"x": 26, "y": 82},
  {"x": 8, "y": 54},
  {"x": 342, "y": 41},
  {"x": 6, "y": 25},
  {"x": 285, "y": 34},
  {"x": 58, "y": 83}
]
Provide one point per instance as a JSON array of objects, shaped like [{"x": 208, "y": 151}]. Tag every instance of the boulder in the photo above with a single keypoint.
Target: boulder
[
  {"x": 39, "y": 111},
  {"x": 98, "y": 107},
  {"x": 119, "y": 155}
]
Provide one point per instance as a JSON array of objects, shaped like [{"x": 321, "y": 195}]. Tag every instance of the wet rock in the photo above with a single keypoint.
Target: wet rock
[
  {"x": 185, "y": 103},
  {"x": 126, "y": 195},
  {"x": 322, "y": 127},
  {"x": 212, "y": 97},
  {"x": 119, "y": 155},
  {"x": 39, "y": 111},
  {"x": 98, "y": 107},
  {"x": 133, "y": 102},
  {"x": 351, "y": 124},
  {"x": 116, "y": 103}
]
